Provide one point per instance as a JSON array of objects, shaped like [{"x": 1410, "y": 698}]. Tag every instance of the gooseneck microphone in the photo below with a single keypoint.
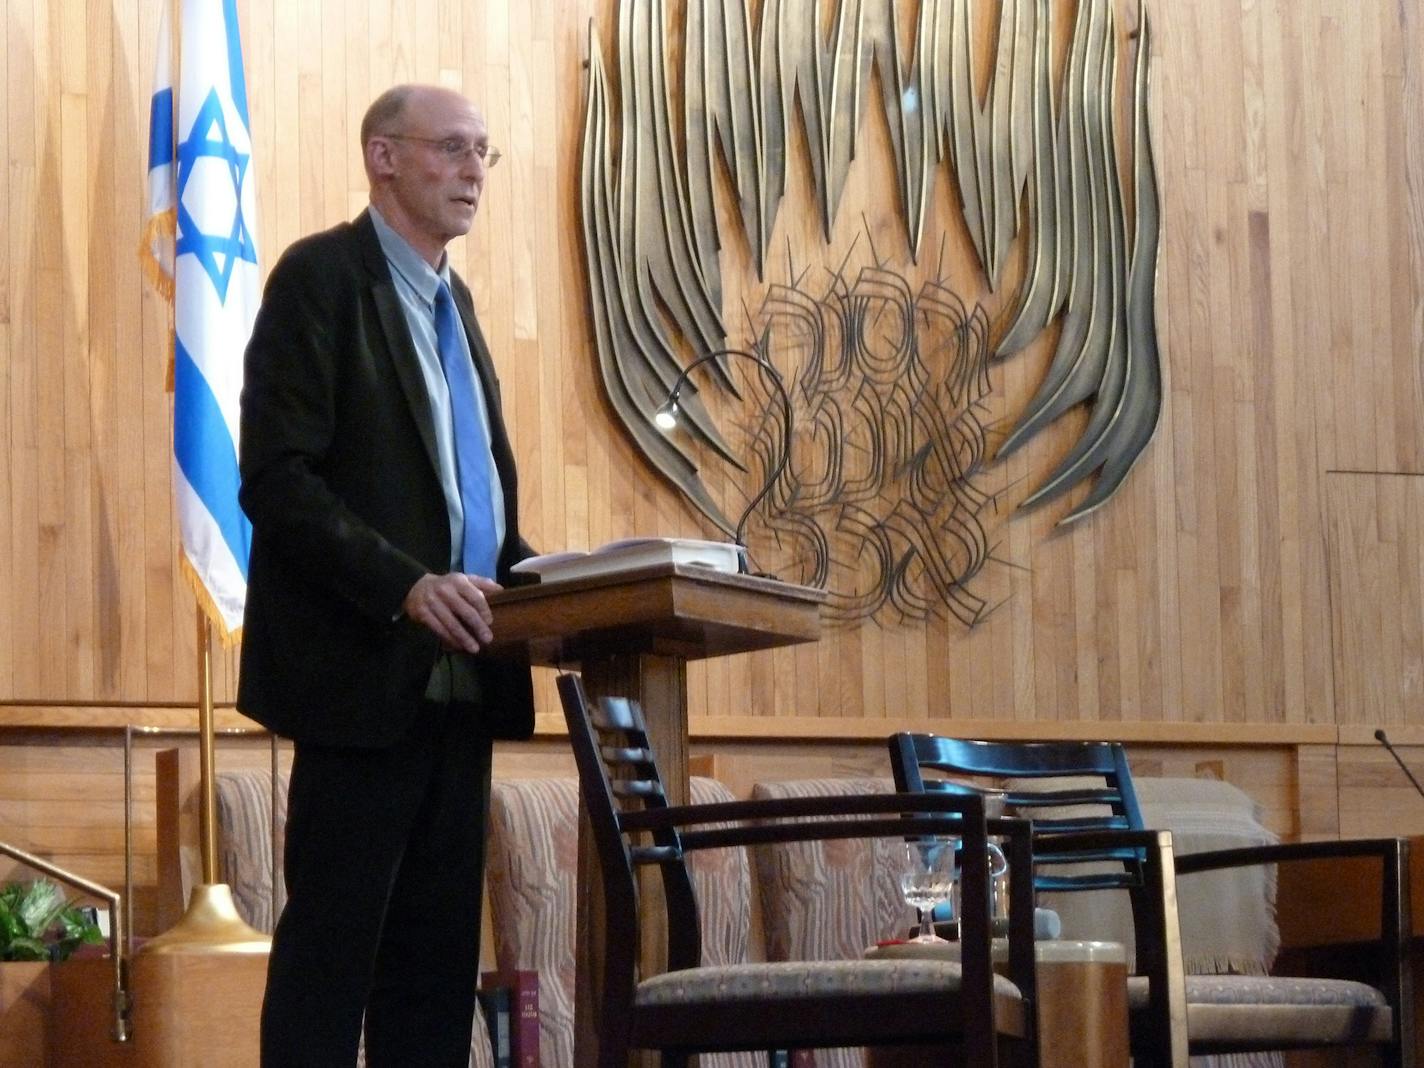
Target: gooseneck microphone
[{"x": 1383, "y": 740}]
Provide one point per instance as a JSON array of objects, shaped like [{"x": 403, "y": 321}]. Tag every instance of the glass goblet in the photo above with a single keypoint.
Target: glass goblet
[{"x": 926, "y": 879}]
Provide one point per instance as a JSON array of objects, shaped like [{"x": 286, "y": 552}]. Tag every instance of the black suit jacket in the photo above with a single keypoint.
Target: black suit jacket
[{"x": 339, "y": 478}]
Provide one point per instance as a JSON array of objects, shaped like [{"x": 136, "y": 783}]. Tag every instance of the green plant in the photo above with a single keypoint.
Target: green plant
[{"x": 38, "y": 923}]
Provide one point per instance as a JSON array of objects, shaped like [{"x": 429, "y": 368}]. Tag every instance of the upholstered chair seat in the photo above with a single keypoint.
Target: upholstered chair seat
[
  {"x": 789, "y": 979},
  {"x": 1262, "y": 1010}
]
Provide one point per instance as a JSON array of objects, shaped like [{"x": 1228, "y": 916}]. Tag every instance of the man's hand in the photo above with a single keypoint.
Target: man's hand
[{"x": 453, "y": 606}]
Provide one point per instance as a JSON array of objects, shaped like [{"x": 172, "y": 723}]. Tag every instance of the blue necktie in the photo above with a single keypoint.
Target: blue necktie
[{"x": 480, "y": 552}]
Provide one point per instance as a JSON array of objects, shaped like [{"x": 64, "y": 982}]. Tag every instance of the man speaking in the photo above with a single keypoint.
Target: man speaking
[{"x": 381, "y": 486}]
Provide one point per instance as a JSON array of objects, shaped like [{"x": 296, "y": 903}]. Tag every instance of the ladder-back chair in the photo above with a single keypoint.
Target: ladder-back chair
[
  {"x": 1173, "y": 1014},
  {"x": 691, "y": 1008}
]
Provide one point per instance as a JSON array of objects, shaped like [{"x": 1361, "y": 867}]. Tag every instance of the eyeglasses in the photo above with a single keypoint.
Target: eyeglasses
[{"x": 455, "y": 149}]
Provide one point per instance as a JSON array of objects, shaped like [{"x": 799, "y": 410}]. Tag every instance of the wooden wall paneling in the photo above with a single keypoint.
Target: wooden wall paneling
[
  {"x": 121, "y": 625},
  {"x": 425, "y": 53},
  {"x": 1375, "y": 796},
  {"x": 103, "y": 637},
  {"x": 1300, "y": 176},
  {"x": 1014, "y": 620},
  {"x": 1323, "y": 314},
  {"x": 935, "y": 678},
  {"x": 7, "y": 316},
  {"x": 1409, "y": 628},
  {"x": 919, "y": 651},
  {"x": 1103, "y": 640},
  {"x": 1371, "y": 334},
  {"x": 1269, "y": 654},
  {"x": 340, "y": 130},
  {"x": 496, "y": 259},
  {"x": 450, "y": 36},
  {"x": 1271, "y": 249},
  {"x": 163, "y": 593},
  {"x": 1376, "y": 572},
  {"x": 848, "y": 663},
  {"x": 258, "y": 50},
  {"x": 552, "y": 246},
  {"x": 1055, "y": 597},
  {"x": 1269, "y": 774},
  {"x": 1134, "y": 602},
  {"x": 357, "y": 26},
  {"x": 1377, "y": 220},
  {"x": 763, "y": 673},
  {"x": 565, "y": 518},
  {"x": 1086, "y": 641},
  {"x": 1290, "y": 316},
  {"x": 1399, "y": 597},
  {"x": 64, "y": 802},
  {"x": 1238, "y": 390},
  {"x": 48, "y": 370},
  {"x": 993, "y": 667},
  {"x": 969, "y": 662},
  {"x": 1405, "y": 156},
  {"x": 1318, "y": 792},
  {"x": 155, "y": 587},
  {"x": 772, "y": 682},
  {"x": 88, "y": 68},
  {"x": 1204, "y": 484},
  {"x": 1352, "y": 536},
  {"x": 308, "y": 109},
  {"x": 814, "y": 685},
  {"x": 381, "y": 48}
]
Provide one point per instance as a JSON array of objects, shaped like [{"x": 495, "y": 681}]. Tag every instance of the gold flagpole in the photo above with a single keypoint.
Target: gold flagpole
[{"x": 212, "y": 923}]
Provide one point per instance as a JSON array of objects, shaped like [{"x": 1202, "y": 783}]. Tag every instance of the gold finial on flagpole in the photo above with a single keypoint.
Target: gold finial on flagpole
[{"x": 211, "y": 924}]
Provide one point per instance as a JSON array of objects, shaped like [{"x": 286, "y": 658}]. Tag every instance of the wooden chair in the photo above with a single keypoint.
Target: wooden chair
[
  {"x": 533, "y": 897},
  {"x": 1173, "y": 1014},
  {"x": 692, "y": 1008}
]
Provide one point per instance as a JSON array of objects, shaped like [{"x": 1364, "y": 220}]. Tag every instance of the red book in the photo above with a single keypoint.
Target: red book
[{"x": 524, "y": 1013}]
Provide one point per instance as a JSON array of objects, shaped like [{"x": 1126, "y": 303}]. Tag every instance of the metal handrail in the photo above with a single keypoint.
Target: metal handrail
[{"x": 116, "y": 928}]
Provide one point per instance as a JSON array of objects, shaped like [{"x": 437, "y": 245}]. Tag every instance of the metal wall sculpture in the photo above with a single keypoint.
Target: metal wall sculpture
[
  {"x": 881, "y": 503},
  {"x": 881, "y": 510}
]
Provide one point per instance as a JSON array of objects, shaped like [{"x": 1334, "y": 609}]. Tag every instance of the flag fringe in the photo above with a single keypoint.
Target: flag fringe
[
  {"x": 207, "y": 605},
  {"x": 160, "y": 227}
]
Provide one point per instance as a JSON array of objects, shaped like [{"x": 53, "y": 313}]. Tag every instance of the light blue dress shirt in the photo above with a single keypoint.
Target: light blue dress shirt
[{"x": 416, "y": 285}]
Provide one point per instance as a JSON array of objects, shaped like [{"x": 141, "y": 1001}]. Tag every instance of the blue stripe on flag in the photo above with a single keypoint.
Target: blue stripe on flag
[
  {"x": 206, "y": 453},
  {"x": 160, "y": 128},
  {"x": 234, "y": 64}
]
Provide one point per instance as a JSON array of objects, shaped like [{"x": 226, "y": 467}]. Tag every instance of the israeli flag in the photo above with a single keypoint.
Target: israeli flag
[{"x": 200, "y": 250}]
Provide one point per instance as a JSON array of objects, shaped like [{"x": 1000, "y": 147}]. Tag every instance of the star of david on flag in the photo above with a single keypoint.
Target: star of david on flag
[{"x": 200, "y": 251}]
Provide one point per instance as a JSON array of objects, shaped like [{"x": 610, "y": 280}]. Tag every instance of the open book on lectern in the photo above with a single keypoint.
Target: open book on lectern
[{"x": 629, "y": 554}]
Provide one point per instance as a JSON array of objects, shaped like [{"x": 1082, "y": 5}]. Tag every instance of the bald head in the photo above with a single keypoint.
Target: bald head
[
  {"x": 424, "y": 147},
  {"x": 384, "y": 114}
]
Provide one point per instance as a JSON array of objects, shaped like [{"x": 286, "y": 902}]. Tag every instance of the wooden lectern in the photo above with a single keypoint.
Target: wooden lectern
[{"x": 631, "y": 634}]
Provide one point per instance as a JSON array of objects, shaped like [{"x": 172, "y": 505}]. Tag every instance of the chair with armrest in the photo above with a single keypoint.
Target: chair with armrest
[
  {"x": 827, "y": 900},
  {"x": 533, "y": 892},
  {"x": 1200, "y": 1014},
  {"x": 693, "y": 1008}
]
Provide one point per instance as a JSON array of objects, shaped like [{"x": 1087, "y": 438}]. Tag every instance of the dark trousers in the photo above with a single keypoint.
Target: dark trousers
[{"x": 384, "y": 863}]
